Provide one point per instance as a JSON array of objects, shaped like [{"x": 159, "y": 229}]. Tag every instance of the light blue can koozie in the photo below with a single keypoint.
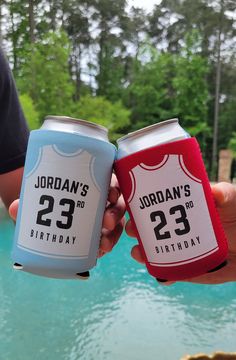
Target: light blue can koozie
[{"x": 62, "y": 202}]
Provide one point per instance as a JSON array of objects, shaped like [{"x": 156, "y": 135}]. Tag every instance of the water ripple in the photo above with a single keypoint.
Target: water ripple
[{"x": 120, "y": 313}]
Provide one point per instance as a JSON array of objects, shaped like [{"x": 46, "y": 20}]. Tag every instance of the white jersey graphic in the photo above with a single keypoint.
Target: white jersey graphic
[
  {"x": 53, "y": 240},
  {"x": 172, "y": 218}
]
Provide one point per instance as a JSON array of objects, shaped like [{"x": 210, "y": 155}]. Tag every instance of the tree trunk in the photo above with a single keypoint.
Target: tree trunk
[
  {"x": 1, "y": 37},
  {"x": 14, "y": 41},
  {"x": 53, "y": 11},
  {"x": 217, "y": 99},
  {"x": 31, "y": 21}
]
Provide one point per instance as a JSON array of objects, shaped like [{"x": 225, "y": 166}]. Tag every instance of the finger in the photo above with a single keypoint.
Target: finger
[
  {"x": 224, "y": 274},
  {"x": 113, "y": 214},
  {"x": 165, "y": 282},
  {"x": 13, "y": 209},
  {"x": 211, "y": 278},
  {"x": 130, "y": 229},
  {"x": 225, "y": 198},
  {"x": 224, "y": 195},
  {"x": 218, "y": 194},
  {"x": 106, "y": 245},
  {"x": 114, "y": 192},
  {"x": 137, "y": 254},
  {"x": 110, "y": 238}
]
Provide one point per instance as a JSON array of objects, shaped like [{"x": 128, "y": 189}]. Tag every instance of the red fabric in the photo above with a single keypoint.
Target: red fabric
[{"x": 190, "y": 151}]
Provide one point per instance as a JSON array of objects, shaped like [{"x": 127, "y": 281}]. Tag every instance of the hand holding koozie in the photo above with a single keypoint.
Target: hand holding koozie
[{"x": 168, "y": 196}]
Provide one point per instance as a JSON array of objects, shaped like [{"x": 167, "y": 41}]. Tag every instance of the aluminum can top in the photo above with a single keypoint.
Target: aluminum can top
[
  {"x": 157, "y": 134},
  {"x": 72, "y": 125}
]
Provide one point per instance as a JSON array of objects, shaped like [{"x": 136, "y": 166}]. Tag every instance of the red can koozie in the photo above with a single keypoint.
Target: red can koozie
[{"x": 169, "y": 200}]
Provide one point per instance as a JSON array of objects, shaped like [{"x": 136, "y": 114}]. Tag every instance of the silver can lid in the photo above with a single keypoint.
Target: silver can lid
[
  {"x": 147, "y": 129},
  {"x": 157, "y": 134},
  {"x": 73, "y": 125}
]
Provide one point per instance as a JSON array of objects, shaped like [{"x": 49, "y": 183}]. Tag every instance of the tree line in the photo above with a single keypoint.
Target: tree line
[{"x": 126, "y": 68}]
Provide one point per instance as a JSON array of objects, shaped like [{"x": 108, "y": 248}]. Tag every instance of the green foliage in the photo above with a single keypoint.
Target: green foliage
[
  {"x": 191, "y": 89},
  {"x": 45, "y": 77},
  {"x": 61, "y": 51},
  {"x": 166, "y": 85},
  {"x": 232, "y": 143},
  {"x": 31, "y": 115},
  {"x": 101, "y": 111},
  {"x": 149, "y": 94},
  {"x": 110, "y": 75},
  {"x": 110, "y": 15},
  {"x": 17, "y": 32}
]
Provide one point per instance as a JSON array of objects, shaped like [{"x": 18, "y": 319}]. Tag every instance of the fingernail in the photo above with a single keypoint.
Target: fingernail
[
  {"x": 101, "y": 253},
  {"x": 17, "y": 266},
  {"x": 83, "y": 275},
  {"x": 165, "y": 282},
  {"x": 161, "y": 280}
]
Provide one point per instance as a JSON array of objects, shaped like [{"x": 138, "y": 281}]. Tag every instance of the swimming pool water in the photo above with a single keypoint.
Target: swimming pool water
[{"x": 120, "y": 313}]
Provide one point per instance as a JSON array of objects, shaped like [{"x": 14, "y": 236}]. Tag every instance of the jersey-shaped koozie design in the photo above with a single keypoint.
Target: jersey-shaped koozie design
[
  {"x": 66, "y": 195},
  {"x": 63, "y": 198},
  {"x": 169, "y": 199}
]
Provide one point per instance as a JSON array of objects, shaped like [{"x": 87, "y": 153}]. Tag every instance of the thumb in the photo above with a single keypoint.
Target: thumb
[
  {"x": 13, "y": 209},
  {"x": 225, "y": 198}
]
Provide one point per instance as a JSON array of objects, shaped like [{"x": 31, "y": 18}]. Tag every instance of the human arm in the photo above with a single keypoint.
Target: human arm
[
  {"x": 225, "y": 199},
  {"x": 10, "y": 184},
  {"x": 13, "y": 136}
]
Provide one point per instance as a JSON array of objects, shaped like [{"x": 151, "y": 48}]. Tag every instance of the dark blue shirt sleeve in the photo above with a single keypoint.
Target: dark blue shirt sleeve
[{"x": 13, "y": 128}]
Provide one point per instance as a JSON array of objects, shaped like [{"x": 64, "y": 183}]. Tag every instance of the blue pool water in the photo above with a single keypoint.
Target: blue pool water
[{"x": 120, "y": 313}]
